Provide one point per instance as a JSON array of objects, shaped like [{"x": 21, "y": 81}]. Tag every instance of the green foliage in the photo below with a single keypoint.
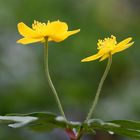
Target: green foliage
[
  {"x": 44, "y": 121},
  {"x": 121, "y": 127}
]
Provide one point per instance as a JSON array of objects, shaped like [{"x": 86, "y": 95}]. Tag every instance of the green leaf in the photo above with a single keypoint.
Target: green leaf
[
  {"x": 128, "y": 123},
  {"x": 38, "y": 121},
  {"x": 45, "y": 121},
  {"x": 121, "y": 127}
]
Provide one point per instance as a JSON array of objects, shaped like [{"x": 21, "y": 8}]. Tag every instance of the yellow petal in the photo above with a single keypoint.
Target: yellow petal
[
  {"x": 73, "y": 32},
  {"x": 57, "y": 38},
  {"x": 56, "y": 28},
  {"x": 26, "y": 31},
  {"x": 61, "y": 37},
  {"x": 91, "y": 58},
  {"x": 50, "y": 39},
  {"x": 123, "y": 45},
  {"x": 104, "y": 57},
  {"x": 29, "y": 40}
]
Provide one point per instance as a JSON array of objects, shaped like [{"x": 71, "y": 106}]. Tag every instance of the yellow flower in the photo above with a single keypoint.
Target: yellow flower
[
  {"x": 109, "y": 46},
  {"x": 55, "y": 31}
]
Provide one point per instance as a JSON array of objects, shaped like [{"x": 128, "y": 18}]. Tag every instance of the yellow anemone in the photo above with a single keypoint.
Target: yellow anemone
[
  {"x": 109, "y": 46},
  {"x": 55, "y": 31}
]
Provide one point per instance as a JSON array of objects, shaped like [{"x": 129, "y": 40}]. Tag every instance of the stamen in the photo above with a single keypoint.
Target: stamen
[{"x": 107, "y": 42}]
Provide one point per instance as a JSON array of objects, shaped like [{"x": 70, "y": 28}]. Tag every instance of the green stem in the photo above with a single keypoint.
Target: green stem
[
  {"x": 99, "y": 88},
  {"x": 50, "y": 81}
]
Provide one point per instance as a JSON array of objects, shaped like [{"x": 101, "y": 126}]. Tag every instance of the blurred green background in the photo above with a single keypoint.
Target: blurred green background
[{"x": 23, "y": 86}]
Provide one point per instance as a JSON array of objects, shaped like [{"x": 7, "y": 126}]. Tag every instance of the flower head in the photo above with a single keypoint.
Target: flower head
[
  {"x": 109, "y": 46},
  {"x": 55, "y": 31}
]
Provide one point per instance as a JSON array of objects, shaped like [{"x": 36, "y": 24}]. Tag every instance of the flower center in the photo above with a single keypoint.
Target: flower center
[
  {"x": 39, "y": 27},
  {"x": 107, "y": 43}
]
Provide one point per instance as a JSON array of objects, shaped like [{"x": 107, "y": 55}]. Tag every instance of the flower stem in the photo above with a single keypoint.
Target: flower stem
[
  {"x": 99, "y": 88},
  {"x": 50, "y": 81}
]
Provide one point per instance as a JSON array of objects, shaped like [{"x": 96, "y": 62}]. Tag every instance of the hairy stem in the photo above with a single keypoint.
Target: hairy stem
[
  {"x": 95, "y": 101},
  {"x": 50, "y": 81}
]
